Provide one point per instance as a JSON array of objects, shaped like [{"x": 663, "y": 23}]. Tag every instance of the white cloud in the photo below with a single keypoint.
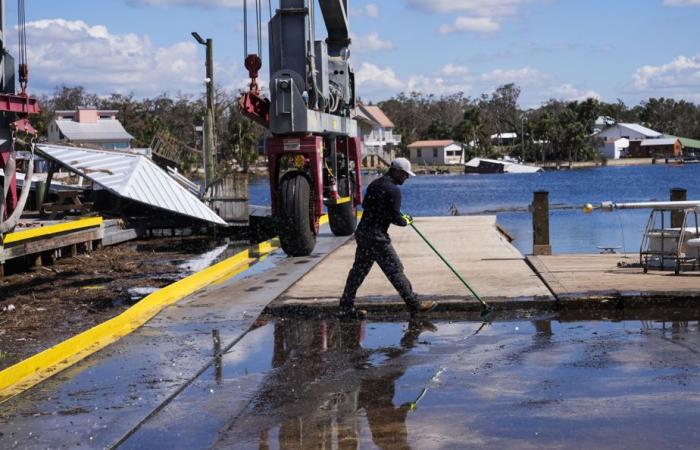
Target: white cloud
[
  {"x": 372, "y": 10},
  {"x": 481, "y": 16},
  {"x": 196, "y": 3},
  {"x": 524, "y": 76},
  {"x": 370, "y": 77},
  {"x": 570, "y": 92},
  {"x": 681, "y": 2},
  {"x": 678, "y": 78},
  {"x": 371, "y": 42},
  {"x": 472, "y": 24},
  {"x": 483, "y": 8},
  {"x": 75, "y": 53}
]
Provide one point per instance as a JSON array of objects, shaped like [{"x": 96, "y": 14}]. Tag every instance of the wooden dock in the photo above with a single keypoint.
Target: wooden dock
[
  {"x": 474, "y": 246},
  {"x": 587, "y": 279},
  {"x": 46, "y": 240}
]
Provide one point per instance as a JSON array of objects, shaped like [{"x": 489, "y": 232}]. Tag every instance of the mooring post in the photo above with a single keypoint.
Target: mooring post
[
  {"x": 540, "y": 224},
  {"x": 677, "y": 216}
]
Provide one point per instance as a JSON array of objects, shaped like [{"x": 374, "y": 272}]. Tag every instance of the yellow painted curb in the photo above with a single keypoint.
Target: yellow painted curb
[
  {"x": 37, "y": 368},
  {"x": 41, "y": 366},
  {"x": 52, "y": 229}
]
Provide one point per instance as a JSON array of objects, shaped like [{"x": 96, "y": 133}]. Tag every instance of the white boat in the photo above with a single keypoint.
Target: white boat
[{"x": 483, "y": 165}]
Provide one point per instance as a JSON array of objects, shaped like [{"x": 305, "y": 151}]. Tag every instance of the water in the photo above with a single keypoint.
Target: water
[
  {"x": 571, "y": 231},
  {"x": 540, "y": 382}
]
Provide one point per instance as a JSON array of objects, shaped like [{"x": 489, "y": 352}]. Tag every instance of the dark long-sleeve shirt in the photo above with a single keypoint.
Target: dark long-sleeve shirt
[{"x": 382, "y": 207}]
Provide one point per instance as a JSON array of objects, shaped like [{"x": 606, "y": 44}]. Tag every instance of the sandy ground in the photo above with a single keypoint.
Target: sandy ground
[{"x": 43, "y": 306}]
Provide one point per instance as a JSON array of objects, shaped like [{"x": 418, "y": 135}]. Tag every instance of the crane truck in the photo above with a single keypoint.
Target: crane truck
[{"x": 313, "y": 150}]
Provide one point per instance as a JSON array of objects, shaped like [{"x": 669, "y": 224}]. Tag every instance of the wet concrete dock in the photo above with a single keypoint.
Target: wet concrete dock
[
  {"x": 524, "y": 380},
  {"x": 472, "y": 244}
]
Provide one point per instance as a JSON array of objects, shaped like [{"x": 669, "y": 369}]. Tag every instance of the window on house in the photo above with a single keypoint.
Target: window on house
[
  {"x": 419, "y": 153},
  {"x": 435, "y": 153}
]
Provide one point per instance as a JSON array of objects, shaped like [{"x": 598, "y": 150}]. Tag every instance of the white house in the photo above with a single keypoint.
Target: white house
[
  {"x": 89, "y": 127},
  {"x": 436, "y": 152},
  {"x": 377, "y": 133},
  {"x": 631, "y": 131},
  {"x": 615, "y": 149}
]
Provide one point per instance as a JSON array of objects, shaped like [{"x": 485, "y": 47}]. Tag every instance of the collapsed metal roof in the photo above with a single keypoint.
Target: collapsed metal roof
[
  {"x": 131, "y": 176},
  {"x": 102, "y": 130}
]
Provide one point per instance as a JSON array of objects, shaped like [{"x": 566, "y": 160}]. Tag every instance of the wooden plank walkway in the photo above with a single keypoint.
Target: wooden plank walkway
[
  {"x": 596, "y": 278},
  {"x": 473, "y": 244}
]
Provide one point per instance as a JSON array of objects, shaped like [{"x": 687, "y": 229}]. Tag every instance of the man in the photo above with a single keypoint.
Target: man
[{"x": 382, "y": 207}]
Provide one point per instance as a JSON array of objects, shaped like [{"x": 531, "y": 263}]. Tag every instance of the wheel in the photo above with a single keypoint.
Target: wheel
[
  {"x": 296, "y": 226},
  {"x": 342, "y": 219}
]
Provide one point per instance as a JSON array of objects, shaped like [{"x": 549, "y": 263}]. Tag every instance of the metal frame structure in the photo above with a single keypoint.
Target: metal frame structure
[
  {"x": 660, "y": 230},
  {"x": 312, "y": 97},
  {"x": 14, "y": 118}
]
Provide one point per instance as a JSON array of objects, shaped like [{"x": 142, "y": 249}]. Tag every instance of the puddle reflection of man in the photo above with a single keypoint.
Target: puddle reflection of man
[{"x": 337, "y": 421}]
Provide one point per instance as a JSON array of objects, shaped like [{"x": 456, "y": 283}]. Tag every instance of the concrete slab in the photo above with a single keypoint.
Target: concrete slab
[
  {"x": 474, "y": 246},
  {"x": 595, "y": 277}
]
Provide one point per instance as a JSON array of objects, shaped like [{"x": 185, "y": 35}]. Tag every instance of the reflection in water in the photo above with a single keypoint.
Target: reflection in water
[{"x": 323, "y": 382}]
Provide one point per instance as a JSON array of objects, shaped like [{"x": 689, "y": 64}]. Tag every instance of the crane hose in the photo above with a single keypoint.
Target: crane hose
[{"x": 8, "y": 225}]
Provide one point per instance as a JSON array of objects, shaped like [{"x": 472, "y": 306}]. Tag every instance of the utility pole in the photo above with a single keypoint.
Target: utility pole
[{"x": 209, "y": 118}]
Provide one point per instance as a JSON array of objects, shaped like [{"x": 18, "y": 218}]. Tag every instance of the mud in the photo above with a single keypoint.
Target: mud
[{"x": 43, "y": 306}]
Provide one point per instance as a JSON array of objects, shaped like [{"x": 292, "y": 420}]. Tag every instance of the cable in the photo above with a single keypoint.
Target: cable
[{"x": 245, "y": 28}]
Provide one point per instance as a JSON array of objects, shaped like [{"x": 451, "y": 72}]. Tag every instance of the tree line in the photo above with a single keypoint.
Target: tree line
[
  {"x": 236, "y": 137},
  {"x": 557, "y": 130}
]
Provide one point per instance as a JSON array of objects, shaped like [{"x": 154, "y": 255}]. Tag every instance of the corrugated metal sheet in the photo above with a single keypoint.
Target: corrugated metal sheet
[
  {"x": 655, "y": 142},
  {"x": 648, "y": 132},
  {"x": 102, "y": 130},
  {"x": 131, "y": 176}
]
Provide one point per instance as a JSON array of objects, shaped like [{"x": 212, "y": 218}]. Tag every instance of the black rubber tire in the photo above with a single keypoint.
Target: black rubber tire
[
  {"x": 342, "y": 219},
  {"x": 296, "y": 229}
]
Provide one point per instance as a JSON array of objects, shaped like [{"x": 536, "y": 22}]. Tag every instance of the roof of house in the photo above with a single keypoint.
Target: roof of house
[
  {"x": 363, "y": 116},
  {"x": 131, "y": 176},
  {"x": 648, "y": 132},
  {"x": 378, "y": 116},
  {"x": 655, "y": 142},
  {"x": 510, "y": 135},
  {"x": 102, "y": 130},
  {"x": 686, "y": 142},
  {"x": 442, "y": 143}
]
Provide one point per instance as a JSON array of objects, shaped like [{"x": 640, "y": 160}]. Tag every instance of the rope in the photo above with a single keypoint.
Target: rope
[
  {"x": 245, "y": 28},
  {"x": 12, "y": 221}
]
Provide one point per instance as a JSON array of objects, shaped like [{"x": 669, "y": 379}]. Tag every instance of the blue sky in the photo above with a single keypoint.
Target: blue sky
[{"x": 564, "y": 49}]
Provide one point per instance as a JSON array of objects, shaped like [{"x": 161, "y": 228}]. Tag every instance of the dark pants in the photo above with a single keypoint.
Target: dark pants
[{"x": 382, "y": 253}]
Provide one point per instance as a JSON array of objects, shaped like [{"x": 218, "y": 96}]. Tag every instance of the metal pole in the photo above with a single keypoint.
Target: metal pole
[{"x": 209, "y": 147}]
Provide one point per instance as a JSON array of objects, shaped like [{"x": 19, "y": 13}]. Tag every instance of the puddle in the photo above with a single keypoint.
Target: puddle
[{"x": 521, "y": 383}]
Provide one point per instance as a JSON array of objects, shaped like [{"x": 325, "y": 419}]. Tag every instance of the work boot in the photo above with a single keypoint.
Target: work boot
[
  {"x": 351, "y": 312},
  {"x": 422, "y": 307}
]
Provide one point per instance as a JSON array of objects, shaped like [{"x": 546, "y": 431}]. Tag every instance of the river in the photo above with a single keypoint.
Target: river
[{"x": 571, "y": 231}]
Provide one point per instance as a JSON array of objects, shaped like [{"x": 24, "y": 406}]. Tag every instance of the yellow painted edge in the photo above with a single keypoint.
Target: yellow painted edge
[
  {"x": 37, "y": 368},
  {"x": 52, "y": 229},
  {"x": 43, "y": 365}
]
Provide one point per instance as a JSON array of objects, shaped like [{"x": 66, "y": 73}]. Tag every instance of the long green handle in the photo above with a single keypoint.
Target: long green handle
[{"x": 454, "y": 271}]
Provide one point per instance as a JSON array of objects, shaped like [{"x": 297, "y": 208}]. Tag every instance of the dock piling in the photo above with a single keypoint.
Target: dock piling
[
  {"x": 677, "y": 216},
  {"x": 540, "y": 224}
]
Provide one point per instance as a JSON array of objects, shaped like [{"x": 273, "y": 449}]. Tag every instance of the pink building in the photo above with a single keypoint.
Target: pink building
[{"x": 88, "y": 127}]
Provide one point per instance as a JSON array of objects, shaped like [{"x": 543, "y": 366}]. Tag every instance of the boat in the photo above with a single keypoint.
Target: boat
[{"x": 483, "y": 165}]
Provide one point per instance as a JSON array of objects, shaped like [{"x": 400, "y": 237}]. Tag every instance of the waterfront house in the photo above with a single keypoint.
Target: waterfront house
[
  {"x": 624, "y": 140},
  {"x": 690, "y": 147},
  {"x": 88, "y": 127},
  {"x": 442, "y": 152},
  {"x": 377, "y": 133}
]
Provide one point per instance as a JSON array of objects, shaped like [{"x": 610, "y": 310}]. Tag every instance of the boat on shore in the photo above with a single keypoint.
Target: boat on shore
[{"x": 483, "y": 165}]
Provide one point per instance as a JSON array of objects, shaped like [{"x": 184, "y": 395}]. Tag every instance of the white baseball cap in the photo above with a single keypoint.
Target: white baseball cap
[{"x": 402, "y": 164}]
